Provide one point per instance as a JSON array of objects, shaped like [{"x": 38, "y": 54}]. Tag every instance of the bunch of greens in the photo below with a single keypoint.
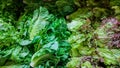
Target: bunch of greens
[
  {"x": 11, "y": 53},
  {"x": 89, "y": 36},
  {"x": 90, "y": 43},
  {"x": 38, "y": 41},
  {"x": 49, "y": 36}
]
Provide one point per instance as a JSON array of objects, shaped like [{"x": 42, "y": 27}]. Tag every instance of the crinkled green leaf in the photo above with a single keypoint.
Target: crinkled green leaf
[
  {"x": 110, "y": 56},
  {"x": 86, "y": 64},
  {"x": 19, "y": 54},
  {"x": 76, "y": 24},
  {"x": 74, "y": 63},
  {"x": 8, "y": 34}
]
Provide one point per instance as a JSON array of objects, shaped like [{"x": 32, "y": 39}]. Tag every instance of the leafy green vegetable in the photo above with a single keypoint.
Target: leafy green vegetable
[
  {"x": 86, "y": 65},
  {"x": 75, "y": 25},
  {"x": 110, "y": 56},
  {"x": 8, "y": 34},
  {"x": 59, "y": 34},
  {"x": 75, "y": 62},
  {"x": 49, "y": 34},
  {"x": 39, "y": 21}
]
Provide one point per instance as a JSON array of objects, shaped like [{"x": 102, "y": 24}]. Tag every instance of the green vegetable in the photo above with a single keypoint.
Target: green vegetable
[
  {"x": 110, "y": 56},
  {"x": 74, "y": 63},
  {"x": 86, "y": 65},
  {"x": 75, "y": 25},
  {"x": 8, "y": 34},
  {"x": 49, "y": 34},
  {"x": 59, "y": 34},
  {"x": 39, "y": 22}
]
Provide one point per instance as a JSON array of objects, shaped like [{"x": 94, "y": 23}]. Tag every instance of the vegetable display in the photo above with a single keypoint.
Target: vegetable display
[{"x": 59, "y": 34}]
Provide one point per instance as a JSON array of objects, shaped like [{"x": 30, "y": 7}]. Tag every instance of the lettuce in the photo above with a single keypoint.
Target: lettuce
[
  {"x": 8, "y": 34},
  {"x": 44, "y": 53},
  {"x": 108, "y": 32},
  {"x": 39, "y": 22},
  {"x": 110, "y": 56},
  {"x": 59, "y": 34},
  {"x": 75, "y": 62},
  {"x": 76, "y": 24},
  {"x": 49, "y": 36}
]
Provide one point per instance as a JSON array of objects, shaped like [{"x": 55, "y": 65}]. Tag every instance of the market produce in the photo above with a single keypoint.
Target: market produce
[{"x": 59, "y": 34}]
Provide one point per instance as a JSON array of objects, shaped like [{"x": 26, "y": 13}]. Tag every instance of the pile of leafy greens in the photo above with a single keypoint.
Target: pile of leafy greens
[
  {"x": 59, "y": 34},
  {"x": 38, "y": 41}
]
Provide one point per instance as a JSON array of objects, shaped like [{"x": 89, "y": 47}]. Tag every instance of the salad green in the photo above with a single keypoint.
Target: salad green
[{"x": 59, "y": 34}]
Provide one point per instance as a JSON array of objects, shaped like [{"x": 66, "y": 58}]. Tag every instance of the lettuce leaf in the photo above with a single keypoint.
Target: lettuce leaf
[
  {"x": 39, "y": 22},
  {"x": 110, "y": 56}
]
